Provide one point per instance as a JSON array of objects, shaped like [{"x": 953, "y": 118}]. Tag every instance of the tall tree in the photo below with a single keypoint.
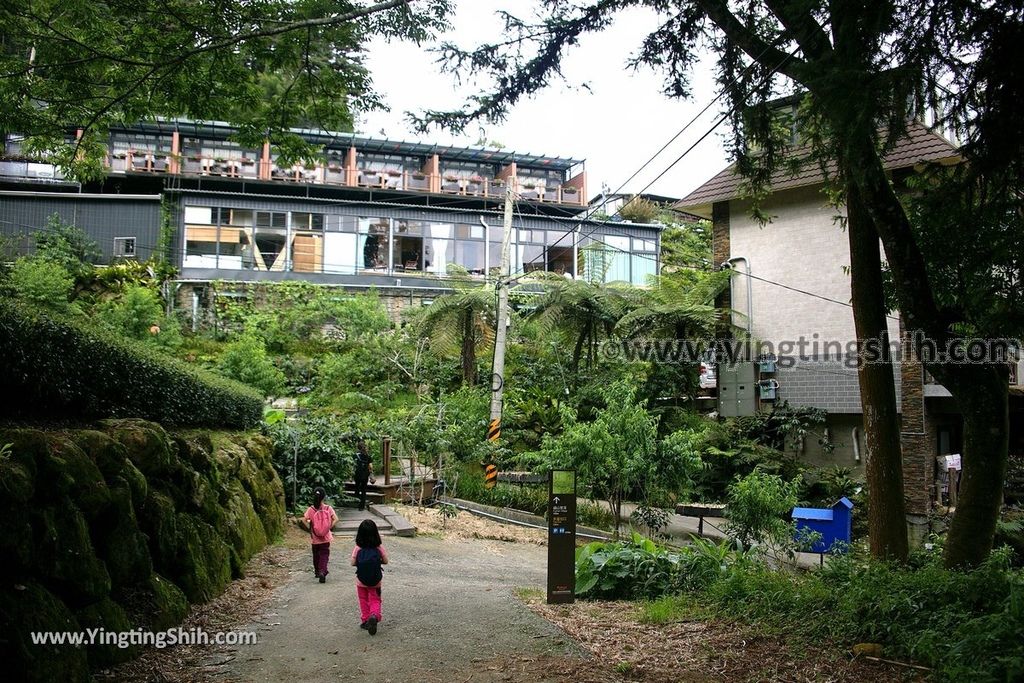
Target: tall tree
[
  {"x": 862, "y": 70},
  {"x": 462, "y": 319},
  {"x": 265, "y": 66},
  {"x": 582, "y": 311}
]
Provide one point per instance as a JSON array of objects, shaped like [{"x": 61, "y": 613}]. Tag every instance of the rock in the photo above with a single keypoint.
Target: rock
[
  {"x": 110, "y": 617},
  {"x": 64, "y": 555},
  {"x": 242, "y": 527},
  {"x": 119, "y": 542},
  {"x": 147, "y": 445},
  {"x": 867, "y": 650},
  {"x": 33, "y": 608},
  {"x": 170, "y": 605},
  {"x": 88, "y": 489}
]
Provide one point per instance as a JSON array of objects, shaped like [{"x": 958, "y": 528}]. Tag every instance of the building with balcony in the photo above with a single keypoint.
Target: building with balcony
[{"x": 369, "y": 212}]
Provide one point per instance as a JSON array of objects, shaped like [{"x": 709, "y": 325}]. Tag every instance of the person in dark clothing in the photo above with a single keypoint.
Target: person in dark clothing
[{"x": 364, "y": 469}]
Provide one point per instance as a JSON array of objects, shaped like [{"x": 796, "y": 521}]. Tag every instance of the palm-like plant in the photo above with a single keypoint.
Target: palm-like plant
[
  {"x": 678, "y": 306},
  {"x": 461, "y": 320},
  {"x": 581, "y": 310}
]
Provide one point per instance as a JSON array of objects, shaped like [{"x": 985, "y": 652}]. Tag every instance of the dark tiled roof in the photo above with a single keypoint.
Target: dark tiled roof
[{"x": 920, "y": 144}]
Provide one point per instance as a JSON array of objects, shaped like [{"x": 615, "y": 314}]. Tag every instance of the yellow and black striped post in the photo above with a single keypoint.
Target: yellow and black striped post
[{"x": 490, "y": 469}]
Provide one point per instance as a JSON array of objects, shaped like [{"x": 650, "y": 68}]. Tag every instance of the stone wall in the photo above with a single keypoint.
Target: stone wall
[{"x": 121, "y": 527}]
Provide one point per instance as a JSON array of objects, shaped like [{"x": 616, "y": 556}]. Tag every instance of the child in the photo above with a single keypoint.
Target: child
[
  {"x": 321, "y": 519},
  {"x": 367, "y": 558}
]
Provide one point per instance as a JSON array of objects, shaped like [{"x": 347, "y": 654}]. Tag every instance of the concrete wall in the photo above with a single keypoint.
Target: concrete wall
[{"x": 805, "y": 248}]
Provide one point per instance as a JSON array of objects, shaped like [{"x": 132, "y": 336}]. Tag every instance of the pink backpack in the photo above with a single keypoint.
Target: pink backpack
[{"x": 320, "y": 522}]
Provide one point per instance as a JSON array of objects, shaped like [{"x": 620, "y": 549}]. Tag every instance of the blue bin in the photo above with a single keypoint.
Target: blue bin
[{"x": 834, "y": 524}]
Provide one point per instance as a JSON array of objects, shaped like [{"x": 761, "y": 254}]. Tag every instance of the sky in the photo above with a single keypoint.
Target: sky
[{"x": 616, "y": 125}]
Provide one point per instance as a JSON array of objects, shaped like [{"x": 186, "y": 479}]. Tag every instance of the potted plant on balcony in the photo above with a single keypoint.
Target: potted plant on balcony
[{"x": 570, "y": 193}]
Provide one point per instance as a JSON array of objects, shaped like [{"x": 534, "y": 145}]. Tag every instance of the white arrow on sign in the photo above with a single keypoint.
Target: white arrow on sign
[{"x": 555, "y": 500}]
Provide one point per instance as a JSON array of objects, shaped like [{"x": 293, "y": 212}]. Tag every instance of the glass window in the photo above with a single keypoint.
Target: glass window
[
  {"x": 199, "y": 214},
  {"x": 644, "y": 245},
  {"x": 644, "y": 267},
  {"x": 468, "y": 231},
  {"x": 531, "y": 258},
  {"x": 470, "y": 255}
]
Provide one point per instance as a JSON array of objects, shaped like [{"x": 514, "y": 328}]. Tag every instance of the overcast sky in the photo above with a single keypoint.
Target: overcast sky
[{"x": 615, "y": 126}]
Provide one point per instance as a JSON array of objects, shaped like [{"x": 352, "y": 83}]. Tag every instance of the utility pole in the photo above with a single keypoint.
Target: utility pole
[{"x": 498, "y": 364}]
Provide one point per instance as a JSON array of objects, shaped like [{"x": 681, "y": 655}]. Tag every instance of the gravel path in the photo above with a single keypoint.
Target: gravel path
[{"x": 449, "y": 610}]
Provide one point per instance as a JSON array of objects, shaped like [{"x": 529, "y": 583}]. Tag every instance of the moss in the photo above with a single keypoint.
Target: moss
[
  {"x": 186, "y": 549},
  {"x": 170, "y": 605},
  {"x": 64, "y": 555},
  {"x": 120, "y": 543},
  {"x": 261, "y": 483},
  {"x": 147, "y": 445},
  {"x": 27, "y": 608},
  {"x": 111, "y": 618},
  {"x": 109, "y": 455},
  {"x": 16, "y": 483},
  {"x": 16, "y": 543},
  {"x": 242, "y": 527},
  {"x": 204, "y": 560},
  {"x": 88, "y": 488},
  {"x": 28, "y": 446},
  {"x": 159, "y": 520}
]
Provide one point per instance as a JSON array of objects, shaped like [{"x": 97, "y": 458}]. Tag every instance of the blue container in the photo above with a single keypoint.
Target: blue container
[{"x": 833, "y": 524}]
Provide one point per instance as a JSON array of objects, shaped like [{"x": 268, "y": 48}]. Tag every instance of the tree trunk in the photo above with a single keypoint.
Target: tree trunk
[
  {"x": 980, "y": 391},
  {"x": 468, "y": 350},
  {"x": 982, "y": 394},
  {"x": 887, "y": 522}
]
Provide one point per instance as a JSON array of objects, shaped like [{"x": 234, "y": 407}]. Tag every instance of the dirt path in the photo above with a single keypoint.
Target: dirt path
[{"x": 449, "y": 608}]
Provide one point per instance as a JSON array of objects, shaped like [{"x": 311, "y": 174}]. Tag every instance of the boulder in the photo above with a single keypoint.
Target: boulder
[
  {"x": 27, "y": 608},
  {"x": 64, "y": 557},
  {"x": 110, "y": 618}
]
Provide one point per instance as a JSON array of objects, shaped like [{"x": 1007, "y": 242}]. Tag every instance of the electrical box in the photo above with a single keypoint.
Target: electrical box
[
  {"x": 766, "y": 364},
  {"x": 737, "y": 390},
  {"x": 768, "y": 389}
]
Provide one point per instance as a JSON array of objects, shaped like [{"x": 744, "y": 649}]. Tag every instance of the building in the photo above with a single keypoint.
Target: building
[
  {"x": 371, "y": 213},
  {"x": 791, "y": 288}
]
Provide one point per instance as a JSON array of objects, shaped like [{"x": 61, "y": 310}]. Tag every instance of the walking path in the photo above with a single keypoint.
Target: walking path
[{"x": 448, "y": 609}]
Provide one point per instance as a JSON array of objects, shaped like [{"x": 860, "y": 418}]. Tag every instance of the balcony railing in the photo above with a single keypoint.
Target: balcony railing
[{"x": 333, "y": 172}]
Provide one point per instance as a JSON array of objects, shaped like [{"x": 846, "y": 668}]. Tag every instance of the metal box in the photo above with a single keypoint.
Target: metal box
[{"x": 833, "y": 524}]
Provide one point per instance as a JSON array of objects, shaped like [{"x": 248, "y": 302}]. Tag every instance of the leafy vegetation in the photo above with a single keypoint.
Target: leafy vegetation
[{"x": 65, "y": 369}]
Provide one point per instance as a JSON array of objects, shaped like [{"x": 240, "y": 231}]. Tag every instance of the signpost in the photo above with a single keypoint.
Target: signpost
[{"x": 561, "y": 536}]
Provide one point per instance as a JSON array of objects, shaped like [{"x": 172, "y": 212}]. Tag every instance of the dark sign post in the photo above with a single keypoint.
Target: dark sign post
[{"x": 561, "y": 536}]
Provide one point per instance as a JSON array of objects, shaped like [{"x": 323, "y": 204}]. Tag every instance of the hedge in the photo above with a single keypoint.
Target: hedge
[{"x": 66, "y": 370}]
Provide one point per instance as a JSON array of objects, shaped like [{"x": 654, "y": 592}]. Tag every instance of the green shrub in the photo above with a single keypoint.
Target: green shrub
[
  {"x": 628, "y": 570},
  {"x": 138, "y": 313},
  {"x": 323, "y": 447},
  {"x": 246, "y": 360},
  {"x": 65, "y": 370},
  {"x": 757, "y": 506},
  {"x": 42, "y": 284}
]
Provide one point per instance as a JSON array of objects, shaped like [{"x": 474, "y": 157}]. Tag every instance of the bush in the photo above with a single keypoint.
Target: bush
[
  {"x": 324, "y": 448},
  {"x": 65, "y": 370},
  {"x": 246, "y": 360},
  {"x": 138, "y": 313},
  {"x": 42, "y": 284},
  {"x": 758, "y": 506}
]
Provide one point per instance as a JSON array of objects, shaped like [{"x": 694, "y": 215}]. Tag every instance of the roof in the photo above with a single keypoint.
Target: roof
[
  {"x": 385, "y": 145},
  {"x": 821, "y": 514},
  {"x": 919, "y": 145}
]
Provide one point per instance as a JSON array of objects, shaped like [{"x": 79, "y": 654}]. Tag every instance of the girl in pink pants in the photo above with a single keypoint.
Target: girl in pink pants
[{"x": 368, "y": 557}]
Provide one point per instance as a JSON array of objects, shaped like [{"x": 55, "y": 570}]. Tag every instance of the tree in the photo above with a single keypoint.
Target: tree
[
  {"x": 265, "y": 66},
  {"x": 613, "y": 455},
  {"x": 463, "y": 319},
  {"x": 246, "y": 361},
  {"x": 582, "y": 310},
  {"x": 68, "y": 246},
  {"x": 860, "y": 72}
]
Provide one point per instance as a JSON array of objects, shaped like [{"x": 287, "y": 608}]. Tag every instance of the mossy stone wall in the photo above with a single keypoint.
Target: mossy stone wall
[{"x": 121, "y": 527}]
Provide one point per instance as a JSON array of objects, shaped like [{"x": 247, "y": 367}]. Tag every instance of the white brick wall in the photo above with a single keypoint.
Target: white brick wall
[{"x": 804, "y": 247}]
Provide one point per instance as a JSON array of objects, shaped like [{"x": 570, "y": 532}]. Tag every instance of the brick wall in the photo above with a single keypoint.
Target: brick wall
[
  {"x": 917, "y": 439},
  {"x": 720, "y": 243}
]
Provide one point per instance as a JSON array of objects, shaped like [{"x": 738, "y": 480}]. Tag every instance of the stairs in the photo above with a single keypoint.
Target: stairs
[{"x": 389, "y": 522}]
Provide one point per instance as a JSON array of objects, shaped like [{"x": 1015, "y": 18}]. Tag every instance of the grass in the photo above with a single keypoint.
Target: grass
[
  {"x": 671, "y": 609},
  {"x": 529, "y": 593}
]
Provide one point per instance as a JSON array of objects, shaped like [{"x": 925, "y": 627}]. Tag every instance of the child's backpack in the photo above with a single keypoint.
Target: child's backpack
[
  {"x": 368, "y": 566},
  {"x": 320, "y": 522}
]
